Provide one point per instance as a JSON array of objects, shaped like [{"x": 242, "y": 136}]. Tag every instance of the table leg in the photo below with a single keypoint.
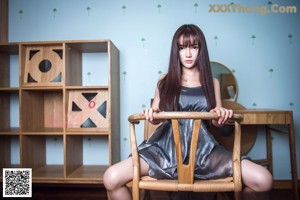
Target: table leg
[
  {"x": 293, "y": 157},
  {"x": 269, "y": 149}
]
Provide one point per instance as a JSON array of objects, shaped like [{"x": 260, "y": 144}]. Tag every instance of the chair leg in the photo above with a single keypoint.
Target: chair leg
[
  {"x": 145, "y": 195},
  {"x": 237, "y": 195},
  {"x": 222, "y": 196},
  {"x": 108, "y": 197}
]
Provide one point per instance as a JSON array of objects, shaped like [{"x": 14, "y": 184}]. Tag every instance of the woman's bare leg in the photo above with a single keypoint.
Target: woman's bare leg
[
  {"x": 118, "y": 175},
  {"x": 257, "y": 180}
]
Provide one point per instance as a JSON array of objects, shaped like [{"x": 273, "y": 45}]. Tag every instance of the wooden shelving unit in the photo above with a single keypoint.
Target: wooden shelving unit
[{"x": 62, "y": 92}]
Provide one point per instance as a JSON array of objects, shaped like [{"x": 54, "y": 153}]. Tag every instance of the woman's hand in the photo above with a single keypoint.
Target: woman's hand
[
  {"x": 148, "y": 113},
  {"x": 223, "y": 114}
]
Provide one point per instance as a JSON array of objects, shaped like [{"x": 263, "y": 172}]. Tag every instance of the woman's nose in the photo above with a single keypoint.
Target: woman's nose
[{"x": 188, "y": 52}]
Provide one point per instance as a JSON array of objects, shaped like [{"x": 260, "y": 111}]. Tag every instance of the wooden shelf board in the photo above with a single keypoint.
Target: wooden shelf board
[
  {"x": 9, "y": 48},
  {"x": 89, "y": 47},
  {"x": 10, "y": 131},
  {"x": 45, "y": 131},
  {"x": 86, "y": 87},
  {"x": 27, "y": 86},
  {"x": 86, "y": 131},
  {"x": 67, "y": 181},
  {"x": 9, "y": 89},
  {"x": 88, "y": 172},
  {"x": 10, "y": 166},
  {"x": 49, "y": 172}
]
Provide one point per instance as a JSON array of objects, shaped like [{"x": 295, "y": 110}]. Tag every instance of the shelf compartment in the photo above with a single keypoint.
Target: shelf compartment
[
  {"x": 44, "y": 154},
  {"x": 87, "y": 63},
  {"x": 88, "y": 110},
  {"x": 90, "y": 174},
  {"x": 87, "y": 157},
  {"x": 42, "y": 111},
  {"x": 9, "y": 109},
  {"x": 8, "y": 62},
  {"x": 49, "y": 174},
  {"x": 9, "y": 152},
  {"x": 42, "y": 64}
]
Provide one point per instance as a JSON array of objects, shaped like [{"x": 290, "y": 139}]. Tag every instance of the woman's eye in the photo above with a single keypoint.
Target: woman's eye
[
  {"x": 195, "y": 47},
  {"x": 180, "y": 48}
]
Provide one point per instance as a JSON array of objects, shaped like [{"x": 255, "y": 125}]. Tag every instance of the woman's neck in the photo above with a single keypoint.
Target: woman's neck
[
  {"x": 190, "y": 71},
  {"x": 190, "y": 77}
]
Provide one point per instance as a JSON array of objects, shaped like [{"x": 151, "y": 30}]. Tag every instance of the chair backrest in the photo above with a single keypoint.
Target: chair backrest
[{"x": 185, "y": 171}]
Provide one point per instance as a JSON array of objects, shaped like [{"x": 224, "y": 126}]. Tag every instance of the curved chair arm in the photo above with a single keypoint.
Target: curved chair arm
[{"x": 135, "y": 118}]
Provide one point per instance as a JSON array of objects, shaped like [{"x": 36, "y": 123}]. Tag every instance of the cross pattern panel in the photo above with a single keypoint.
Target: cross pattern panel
[{"x": 88, "y": 109}]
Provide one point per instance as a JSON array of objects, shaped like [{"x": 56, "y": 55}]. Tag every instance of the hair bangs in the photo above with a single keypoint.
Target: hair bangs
[{"x": 188, "y": 38}]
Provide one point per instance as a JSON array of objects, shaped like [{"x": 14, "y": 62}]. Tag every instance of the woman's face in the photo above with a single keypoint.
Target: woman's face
[{"x": 188, "y": 53}]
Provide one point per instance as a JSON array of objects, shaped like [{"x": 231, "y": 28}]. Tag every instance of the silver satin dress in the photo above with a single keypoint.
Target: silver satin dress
[{"x": 212, "y": 160}]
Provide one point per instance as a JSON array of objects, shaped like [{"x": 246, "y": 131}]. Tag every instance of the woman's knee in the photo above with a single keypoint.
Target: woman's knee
[
  {"x": 257, "y": 177},
  {"x": 118, "y": 175},
  {"x": 264, "y": 181},
  {"x": 111, "y": 178}
]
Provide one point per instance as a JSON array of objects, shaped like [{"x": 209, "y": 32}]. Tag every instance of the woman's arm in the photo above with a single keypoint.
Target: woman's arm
[
  {"x": 154, "y": 107},
  {"x": 223, "y": 113},
  {"x": 217, "y": 93}
]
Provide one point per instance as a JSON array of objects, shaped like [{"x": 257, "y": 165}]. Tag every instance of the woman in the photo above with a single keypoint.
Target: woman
[{"x": 188, "y": 86}]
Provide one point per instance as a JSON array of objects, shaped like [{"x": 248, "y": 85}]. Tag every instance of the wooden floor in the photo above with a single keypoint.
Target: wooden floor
[{"x": 75, "y": 192}]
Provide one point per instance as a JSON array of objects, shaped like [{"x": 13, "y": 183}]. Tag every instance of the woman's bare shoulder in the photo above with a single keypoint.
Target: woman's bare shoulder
[
  {"x": 162, "y": 76},
  {"x": 216, "y": 81}
]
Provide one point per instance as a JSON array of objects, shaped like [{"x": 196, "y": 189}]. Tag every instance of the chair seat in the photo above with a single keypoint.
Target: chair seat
[{"x": 224, "y": 184}]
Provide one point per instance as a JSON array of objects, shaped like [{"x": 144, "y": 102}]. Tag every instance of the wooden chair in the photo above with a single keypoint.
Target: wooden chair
[{"x": 185, "y": 181}]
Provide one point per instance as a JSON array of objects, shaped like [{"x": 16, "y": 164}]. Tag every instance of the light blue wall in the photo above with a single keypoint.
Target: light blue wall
[{"x": 142, "y": 30}]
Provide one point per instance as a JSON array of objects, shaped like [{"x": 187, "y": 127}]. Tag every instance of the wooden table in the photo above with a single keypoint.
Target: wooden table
[{"x": 272, "y": 117}]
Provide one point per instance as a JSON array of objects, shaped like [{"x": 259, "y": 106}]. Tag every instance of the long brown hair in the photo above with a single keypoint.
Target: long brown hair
[{"x": 170, "y": 86}]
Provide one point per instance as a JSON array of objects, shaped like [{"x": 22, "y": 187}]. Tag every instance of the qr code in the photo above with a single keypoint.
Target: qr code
[{"x": 17, "y": 182}]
